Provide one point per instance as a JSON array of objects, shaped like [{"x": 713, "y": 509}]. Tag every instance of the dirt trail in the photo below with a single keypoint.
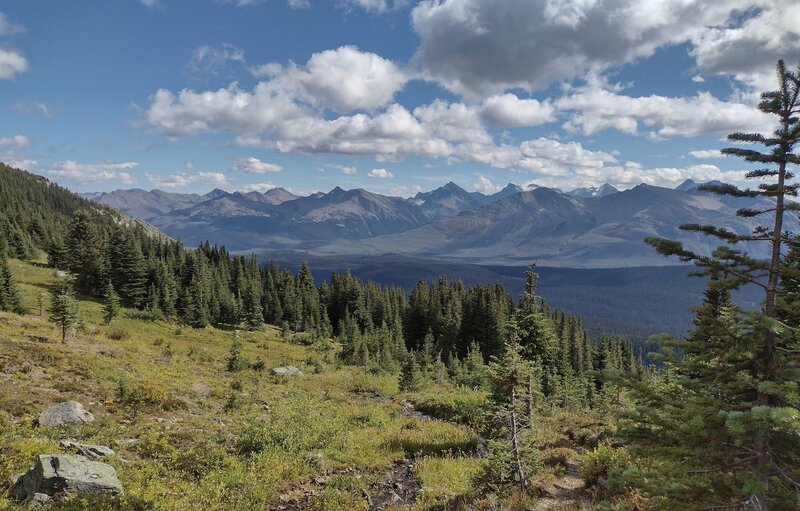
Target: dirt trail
[{"x": 568, "y": 489}]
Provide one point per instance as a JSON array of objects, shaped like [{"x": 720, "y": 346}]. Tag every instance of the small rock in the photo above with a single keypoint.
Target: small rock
[
  {"x": 56, "y": 475},
  {"x": 314, "y": 457},
  {"x": 62, "y": 274},
  {"x": 286, "y": 371},
  {"x": 201, "y": 389},
  {"x": 320, "y": 480},
  {"x": 88, "y": 450},
  {"x": 69, "y": 412}
]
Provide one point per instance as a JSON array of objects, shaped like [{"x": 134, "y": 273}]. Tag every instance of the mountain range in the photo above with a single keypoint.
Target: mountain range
[{"x": 585, "y": 228}]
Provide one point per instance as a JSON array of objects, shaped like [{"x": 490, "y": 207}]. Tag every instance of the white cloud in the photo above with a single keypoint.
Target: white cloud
[
  {"x": 370, "y": 5},
  {"x": 390, "y": 135},
  {"x": 12, "y": 63},
  {"x": 15, "y": 142},
  {"x": 380, "y": 174},
  {"x": 32, "y": 108},
  {"x": 214, "y": 59},
  {"x": 453, "y": 122},
  {"x": 599, "y": 106},
  {"x": 183, "y": 179},
  {"x": 348, "y": 171},
  {"x": 229, "y": 109},
  {"x": 255, "y": 166},
  {"x": 509, "y": 111},
  {"x": 84, "y": 173},
  {"x": 749, "y": 49},
  {"x": 707, "y": 153},
  {"x": 348, "y": 79},
  {"x": 257, "y": 187},
  {"x": 485, "y": 185},
  {"x": 150, "y": 3},
  {"x": 480, "y": 47},
  {"x": 9, "y": 28},
  {"x": 405, "y": 191},
  {"x": 299, "y": 4}
]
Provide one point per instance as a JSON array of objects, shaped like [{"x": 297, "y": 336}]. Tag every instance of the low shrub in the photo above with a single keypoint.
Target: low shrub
[
  {"x": 602, "y": 461},
  {"x": 117, "y": 333}
]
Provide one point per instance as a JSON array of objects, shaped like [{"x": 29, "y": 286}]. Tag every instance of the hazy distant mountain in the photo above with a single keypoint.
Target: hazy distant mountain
[
  {"x": 560, "y": 230},
  {"x": 690, "y": 185},
  {"x": 593, "y": 191},
  {"x": 510, "y": 189},
  {"x": 145, "y": 205},
  {"x": 606, "y": 228},
  {"x": 447, "y": 201}
]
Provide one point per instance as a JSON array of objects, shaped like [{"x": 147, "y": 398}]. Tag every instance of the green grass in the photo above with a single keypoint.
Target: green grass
[{"x": 187, "y": 433}]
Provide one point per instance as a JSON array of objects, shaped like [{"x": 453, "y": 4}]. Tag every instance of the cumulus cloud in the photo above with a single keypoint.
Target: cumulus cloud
[
  {"x": 12, "y": 63},
  {"x": 228, "y": 109},
  {"x": 9, "y": 28},
  {"x": 15, "y": 142},
  {"x": 749, "y": 49},
  {"x": 85, "y": 173},
  {"x": 255, "y": 166},
  {"x": 380, "y": 174},
  {"x": 707, "y": 153},
  {"x": 453, "y": 122},
  {"x": 485, "y": 185},
  {"x": 598, "y": 106},
  {"x": 348, "y": 171},
  {"x": 509, "y": 111},
  {"x": 183, "y": 179},
  {"x": 347, "y": 79},
  {"x": 479, "y": 47}
]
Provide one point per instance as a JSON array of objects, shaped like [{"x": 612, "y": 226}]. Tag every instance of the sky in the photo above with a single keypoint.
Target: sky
[{"x": 394, "y": 96}]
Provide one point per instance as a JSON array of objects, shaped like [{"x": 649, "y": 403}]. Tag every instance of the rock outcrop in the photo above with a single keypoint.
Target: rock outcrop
[
  {"x": 57, "y": 476},
  {"x": 286, "y": 371},
  {"x": 69, "y": 412},
  {"x": 89, "y": 450}
]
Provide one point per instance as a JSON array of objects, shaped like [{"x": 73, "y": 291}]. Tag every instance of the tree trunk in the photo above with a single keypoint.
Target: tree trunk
[{"x": 515, "y": 440}]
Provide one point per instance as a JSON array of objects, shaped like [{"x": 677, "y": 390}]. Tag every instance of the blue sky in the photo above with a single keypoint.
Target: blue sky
[{"x": 389, "y": 95}]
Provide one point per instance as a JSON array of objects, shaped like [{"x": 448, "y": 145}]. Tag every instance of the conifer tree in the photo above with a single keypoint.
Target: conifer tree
[
  {"x": 251, "y": 308},
  {"x": 84, "y": 254},
  {"x": 726, "y": 432},
  {"x": 110, "y": 304},
  {"x": 411, "y": 377},
  {"x": 64, "y": 308},
  {"x": 235, "y": 362},
  {"x": 10, "y": 299}
]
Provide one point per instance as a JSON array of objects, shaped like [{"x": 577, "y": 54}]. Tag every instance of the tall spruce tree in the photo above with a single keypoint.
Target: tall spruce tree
[
  {"x": 84, "y": 254},
  {"x": 110, "y": 304},
  {"x": 725, "y": 433}
]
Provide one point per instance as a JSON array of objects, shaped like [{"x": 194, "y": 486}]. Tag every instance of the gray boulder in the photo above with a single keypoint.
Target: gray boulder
[
  {"x": 286, "y": 371},
  {"x": 69, "y": 412},
  {"x": 88, "y": 450},
  {"x": 56, "y": 476}
]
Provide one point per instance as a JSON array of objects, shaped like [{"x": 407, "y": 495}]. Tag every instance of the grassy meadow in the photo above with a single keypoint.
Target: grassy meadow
[{"x": 190, "y": 434}]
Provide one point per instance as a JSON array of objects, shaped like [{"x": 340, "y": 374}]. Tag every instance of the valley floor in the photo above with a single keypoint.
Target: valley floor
[{"x": 189, "y": 434}]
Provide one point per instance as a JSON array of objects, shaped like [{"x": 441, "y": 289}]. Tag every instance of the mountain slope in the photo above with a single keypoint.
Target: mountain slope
[{"x": 559, "y": 230}]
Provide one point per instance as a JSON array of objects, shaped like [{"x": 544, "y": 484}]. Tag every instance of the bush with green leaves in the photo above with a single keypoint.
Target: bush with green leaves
[{"x": 601, "y": 462}]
